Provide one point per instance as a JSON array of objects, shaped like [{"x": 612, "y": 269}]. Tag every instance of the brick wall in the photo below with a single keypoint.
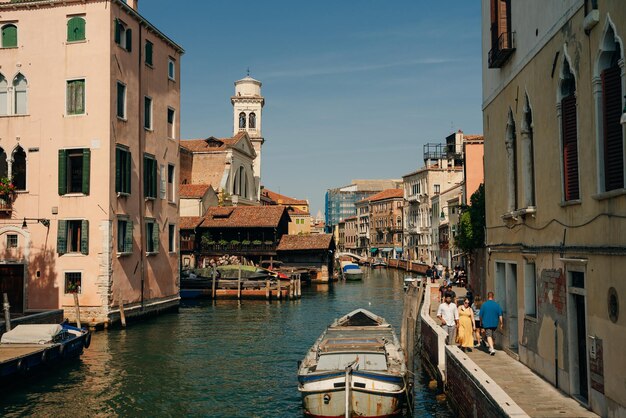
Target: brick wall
[{"x": 430, "y": 349}]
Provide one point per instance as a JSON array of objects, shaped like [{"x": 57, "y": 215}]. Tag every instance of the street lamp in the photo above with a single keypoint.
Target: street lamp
[{"x": 43, "y": 221}]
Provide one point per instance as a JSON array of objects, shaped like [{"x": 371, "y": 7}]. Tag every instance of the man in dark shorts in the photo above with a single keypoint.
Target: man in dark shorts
[{"x": 491, "y": 318}]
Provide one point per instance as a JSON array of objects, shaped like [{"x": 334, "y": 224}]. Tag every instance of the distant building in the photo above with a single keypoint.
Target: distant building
[
  {"x": 195, "y": 199},
  {"x": 386, "y": 223},
  {"x": 350, "y": 234},
  {"x": 89, "y": 121},
  {"x": 313, "y": 253},
  {"x": 298, "y": 210},
  {"x": 553, "y": 85},
  {"x": 445, "y": 221},
  {"x": 363, "y": 227}
]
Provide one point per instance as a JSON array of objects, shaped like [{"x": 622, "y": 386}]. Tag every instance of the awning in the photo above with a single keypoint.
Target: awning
[
  {"x": 373, "y": 250},
  {"x": 399, "y": 249},
  {"x": 387, "y": 250}
]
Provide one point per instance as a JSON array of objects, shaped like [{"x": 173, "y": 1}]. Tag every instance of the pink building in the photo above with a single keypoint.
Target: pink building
[{"x": 89, "y": 135}]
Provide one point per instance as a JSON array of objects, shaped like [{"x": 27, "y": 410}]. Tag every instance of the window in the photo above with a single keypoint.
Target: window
[
  {"x": 569, "y": 134},
  {"x": 4, "y": 96},
  {"x": 123, "y": 164},
  {"x": 4, "y": 165},
  {"x": 148, "y": 53},
  {"x": 163, "y": 183},
  {"x": 511, "y": 163},
  {"x": 530, "y": 290},
  {"x": 121, "y": 100},
  {"x": 18, "y": 168},
  {"x": 75, "y": 29},
  {"x": 9, "y": 36},
  {"x": 123, "y": 35},
  {"x": 11, "y": 240},
  {"x": 149, "y": 177},
  {"x": 252, "y": 120},
  {"x": 171, "y": 115},
  {"x": 73, "y": 237},
  {"x": 171, "y": 68},
  {"x": 124, "y": 235},
  {"x": 74, "y": 167},
  {"x": 242, "y": 120},
  {"x": 528, "y": 167},
  {"x": 501, "y": 36},
  {"x": 152, "y": 236},
  {"x": 75, "y": 100},
  {"x": 171, "y": 186},
  {"x": 147, "y": 113},
  {"x": 171, "y": 238},
  {"x": 437, "y": 188},
  {"x": 73, "y": 282},
  {"x": 20, "y": 88}
]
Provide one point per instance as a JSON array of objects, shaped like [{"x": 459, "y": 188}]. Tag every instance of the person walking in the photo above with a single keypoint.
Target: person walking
[
  {"x": 466, "y": 326},
  {"x": 478, "y": 301},
  {"x": 448, "y": 314},
  {"x": 491, "y": 318}
]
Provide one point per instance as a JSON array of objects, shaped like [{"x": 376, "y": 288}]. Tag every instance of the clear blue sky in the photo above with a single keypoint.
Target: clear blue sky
[{"x": 353, "y": 88}]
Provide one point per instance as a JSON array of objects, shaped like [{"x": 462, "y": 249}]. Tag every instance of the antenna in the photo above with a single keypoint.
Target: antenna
[{"x": 248, "y": 71}]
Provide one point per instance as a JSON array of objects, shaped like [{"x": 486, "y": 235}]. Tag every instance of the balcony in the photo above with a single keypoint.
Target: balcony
[
  {"x": 6, "y": 205},
  {"x": 502, "y": 49},
  {"x": 240, "y": 249}
]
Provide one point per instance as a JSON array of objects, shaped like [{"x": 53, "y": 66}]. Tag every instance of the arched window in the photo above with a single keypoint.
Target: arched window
[
  {"x": 511, "y": 163},
  {"x": 4, "y": 165},
  {"x": 569, "y": 133},
  {"x": 252, "y": 120},
  {"x": 245, "y": 187},
  {"x": 236, "y": 184},
  {"x": 18, "y": 168},
  {"x": 242, "y": 120},
  {"x": 242, "y": 175},
  {"x": 528, "y": 163},
  {"x": 9, "y": 36},
  {"x": 76, "y": 29},
  {"x": 608, "y": 94},
  {"x": 4, "y": 96},
  {"x": 20, "y": 87}
]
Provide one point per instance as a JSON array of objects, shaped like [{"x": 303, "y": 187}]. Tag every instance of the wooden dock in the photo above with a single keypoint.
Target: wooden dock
[{"x": 244, "y": 289}]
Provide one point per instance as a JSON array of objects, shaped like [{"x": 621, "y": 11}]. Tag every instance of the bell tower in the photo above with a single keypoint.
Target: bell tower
[{"x": 247, "y": 116}]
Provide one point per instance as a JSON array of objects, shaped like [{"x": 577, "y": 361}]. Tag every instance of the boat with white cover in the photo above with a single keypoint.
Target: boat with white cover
[
  {"x": 351, "y": 271},
  {"x": 356, "y": 368}
]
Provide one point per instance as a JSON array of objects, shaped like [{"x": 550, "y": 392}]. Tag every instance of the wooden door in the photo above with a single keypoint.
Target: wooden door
[{"x": 12, "y": 283}]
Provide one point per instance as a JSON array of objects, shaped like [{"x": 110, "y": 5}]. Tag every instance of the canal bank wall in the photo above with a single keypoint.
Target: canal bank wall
[{"x": 469, "y": 390}]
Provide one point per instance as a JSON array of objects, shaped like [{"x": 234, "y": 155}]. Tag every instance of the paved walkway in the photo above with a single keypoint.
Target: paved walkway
[{"x": 535, "y": 396}]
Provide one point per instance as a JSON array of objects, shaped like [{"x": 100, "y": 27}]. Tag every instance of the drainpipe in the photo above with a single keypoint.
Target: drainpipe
[
  {"x": 142, "y": 200},
  {"x": 556, "y": 354}
]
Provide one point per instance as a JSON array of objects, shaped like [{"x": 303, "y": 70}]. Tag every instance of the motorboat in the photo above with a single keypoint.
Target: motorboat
[
  {"x": 379, "y": 263},
  {"x": 351, "y": 271},
  {"x": 356, "y": 368},
  {"x": 408, "y": 281}
]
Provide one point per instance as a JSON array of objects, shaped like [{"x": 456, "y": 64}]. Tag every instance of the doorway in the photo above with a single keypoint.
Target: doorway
[
  {"x": 12, "y": 283},
  {"x": 511, "y": 303},
  {"x": 578, "y": 331}
]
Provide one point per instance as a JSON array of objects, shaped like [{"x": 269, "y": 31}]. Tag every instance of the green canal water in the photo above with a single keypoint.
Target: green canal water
[{"x": 226, "y": 359}]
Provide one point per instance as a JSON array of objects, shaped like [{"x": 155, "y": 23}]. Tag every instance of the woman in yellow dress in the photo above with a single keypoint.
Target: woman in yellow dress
[{"x": 465, "y": 336}]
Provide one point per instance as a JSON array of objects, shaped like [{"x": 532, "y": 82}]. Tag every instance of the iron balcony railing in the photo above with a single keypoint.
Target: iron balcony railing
[{"x": 501, "y": 49}]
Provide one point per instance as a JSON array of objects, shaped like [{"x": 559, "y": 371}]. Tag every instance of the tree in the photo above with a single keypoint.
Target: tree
[{"x": 471, "y": 233}]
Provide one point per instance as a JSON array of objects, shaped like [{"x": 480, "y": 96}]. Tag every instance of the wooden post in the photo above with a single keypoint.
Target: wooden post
[
  {"x": 292, "y": 291},
  {"x": 279, "y": 289},
  {"x": 239, "y": 283},
  {"x": 267, "y": 289},
  {"x": 77, "y": 310},
  {"x": 7, "y": 312},
  {"x": 122, "y": 314},
  {"x": 299, "y": 286},
  {"x": 213, "y": 283}
]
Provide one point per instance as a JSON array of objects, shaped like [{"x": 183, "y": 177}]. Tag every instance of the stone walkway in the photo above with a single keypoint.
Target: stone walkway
[{"x": 534, "y": 395}]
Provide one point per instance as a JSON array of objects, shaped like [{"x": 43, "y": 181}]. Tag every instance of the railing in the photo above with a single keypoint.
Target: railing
[
  {"x": 238, "y": 248},
  {"x": 187, "y": 245},
  {"x": 502, "y": 49},
  {"x": 6, "y": 205}
]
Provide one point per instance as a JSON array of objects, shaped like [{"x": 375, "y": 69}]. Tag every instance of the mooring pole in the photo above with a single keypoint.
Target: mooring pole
[
  {"x": 77, "y": 305},
  {"x": 213, "y": 283},
  {"x": 239, "y": 283},
  {"x": 7, "y": 312}
]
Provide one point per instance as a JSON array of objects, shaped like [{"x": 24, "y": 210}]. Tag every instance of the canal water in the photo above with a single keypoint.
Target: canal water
[{"x": 226, "y": 359}]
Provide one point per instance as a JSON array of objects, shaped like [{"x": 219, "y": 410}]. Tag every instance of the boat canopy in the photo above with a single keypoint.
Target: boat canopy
[
  {"x": 32, "y": 334},
  {"x": 386, "y": 250},
  {"x": 399, "y": 249},
  {"x": 359, "y": 318},
  {"x": 373, "y": 250}
]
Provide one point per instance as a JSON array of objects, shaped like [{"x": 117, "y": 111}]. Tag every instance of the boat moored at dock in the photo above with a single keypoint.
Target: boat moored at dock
[
  {"x": 356, "y": 368},
  {"x": 351, "y": 271}
]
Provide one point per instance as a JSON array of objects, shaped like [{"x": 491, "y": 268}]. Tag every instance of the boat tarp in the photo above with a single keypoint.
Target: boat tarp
[
  {"x": 386, "y": 250},
  {"x": 373, "y": 250},
  {"x": 399, "y": 250},
  {"x": 31, "y": 334},
  {"x": 351, "y": 267}
]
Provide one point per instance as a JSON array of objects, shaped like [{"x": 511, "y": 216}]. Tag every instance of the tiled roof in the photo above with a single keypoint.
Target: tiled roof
[
  {"x": 473, "y": 137},
  {"x": 305, "y": 242},
  {"x": 193, "y": 190},
  {"x": 282, "y": 199},
  {"x": 189, "y": 222},
  {"x": 243, "y": 216},
  {"x": 387, "y": 194},
  {"x": 211, "y": 143},
  {"x": 296, "y": 211}
]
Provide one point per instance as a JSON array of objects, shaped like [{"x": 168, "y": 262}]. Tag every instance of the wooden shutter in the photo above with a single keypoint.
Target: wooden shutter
[
  {"x": 570, "y": 147},
  {"x": 72, "y": 29},
  {"x": 153, "y": 183},
  {"x": 155, "y": 237},
  {"x": 61, "y": 237},
  {"x": 163, "y": 179},
  {"x": 80, "y": 29},
  {"x": 129, "y": 40},
  {"x": 128, "y": 239},
  {"x": 146, "y": 179},
  {"x": 9, "y": 36},
  {"x": 149, "y": 52},
  {"x": 127, "y": 169},
  {"x": 84, "y": 237},
  {"x": 62, "y": 172},
  {"x": 118, "y": 170},
  {"x": 613, "y": 141},
  {"x": 86, "y": 167},
  {"x": 79, "y": 98},
  {"x": 118, "y": 32}
]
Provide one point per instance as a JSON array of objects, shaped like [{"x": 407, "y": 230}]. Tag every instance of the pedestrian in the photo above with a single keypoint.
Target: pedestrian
[
  {"x": 442, "y": 292},
  {"x": 429, "y": 275},
  {"x": 466, "y": 326},
  {"x": 469, "y": 293},
  {"x": 478, "y": 301},
  {"x": 447, "y": 274},
  {"x": 452, "y": 292},
  {"x": 491, "y": 318},
  {"x": 448, "y": 314}
]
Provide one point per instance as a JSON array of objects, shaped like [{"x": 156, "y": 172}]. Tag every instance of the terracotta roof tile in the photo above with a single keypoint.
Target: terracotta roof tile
[
  {"x": 243, "y": 216},
  {"x": 305, "y": 242},
  {"x": 189, "y": 222},
  {"x": 193, "y": 190},
  {"x": 387, "y": 194},
  {"x": 282, "y": 199},
  {"x": 297, "y": 211},
  {"x": 473, "y": 137},
  {"x": 211, "y": 143}
]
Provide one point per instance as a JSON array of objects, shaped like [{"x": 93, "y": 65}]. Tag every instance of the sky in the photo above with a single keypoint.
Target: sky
[{"x": 353, "y": 88}]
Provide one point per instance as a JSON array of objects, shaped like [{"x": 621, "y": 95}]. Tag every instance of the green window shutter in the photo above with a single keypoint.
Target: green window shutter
[
  {"x": 128, "y": 240},
  {"x": 9, "y": 36},
  {"x": 62, "y": 172},
  {"x": 146, "y": 192},
  {"x": 155, "y": 237},
  {"x": 118, "y": 32},
  {"x": 80, "y": 29},
  {"x": 86, "y": 166},
  {"x": 62, "y": 237},
  {"x": 76, "y": 29},
  {"x": 118, "y": 170},
  {"x": 148, "y": 52},
  {"x": 128, "y": 170},
  {"x": 84, "y": 237},
  {"x": 129, "y": 40},
  {"x": 154, "y": 178}
]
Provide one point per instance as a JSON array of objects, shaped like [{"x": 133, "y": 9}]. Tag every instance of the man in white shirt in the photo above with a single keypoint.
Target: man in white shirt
[{"x": 448, "y": 314}]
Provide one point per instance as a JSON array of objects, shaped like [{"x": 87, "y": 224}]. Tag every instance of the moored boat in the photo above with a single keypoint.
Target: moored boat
[
  {"x": 356, "y": 368},
  {"x": 351, "y": 271},
  {"x": 378, "y": 263}
]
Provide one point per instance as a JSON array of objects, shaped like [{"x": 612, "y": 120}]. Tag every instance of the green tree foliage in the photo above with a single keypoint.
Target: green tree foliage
[{"x": 471, "y": 234}]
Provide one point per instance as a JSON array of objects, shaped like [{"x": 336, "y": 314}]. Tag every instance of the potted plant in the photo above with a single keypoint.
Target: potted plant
[
  {"x": 257, "y": 242},
  {"x": 246, "y": 242},
  {"x": 7, "y": 189}
]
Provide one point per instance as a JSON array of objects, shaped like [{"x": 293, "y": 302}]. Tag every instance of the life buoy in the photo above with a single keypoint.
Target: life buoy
[{"x": 87, "y": 340}]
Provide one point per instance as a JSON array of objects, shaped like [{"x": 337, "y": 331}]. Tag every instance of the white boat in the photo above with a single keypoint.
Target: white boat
[
  {"x": 408, "y": 281},
  {"x": 356, "y": 368},
  {"x": 351, "y": 271}
]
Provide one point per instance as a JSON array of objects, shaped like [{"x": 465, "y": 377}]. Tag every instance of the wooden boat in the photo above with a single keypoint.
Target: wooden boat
[
  {"x": 378, "y": 263},
  {"x": 27, "y": 348},
  {"x": 356, "y": 368},
  {"x": 351, "y": 271}
]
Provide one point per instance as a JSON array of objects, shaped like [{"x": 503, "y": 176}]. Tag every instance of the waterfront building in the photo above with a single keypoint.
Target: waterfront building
[
  {"x": 341, "y": 236},
  {"x": 314, "y": 253},
  {"x": 89, "y": 128},
  {"x": 553, "y": 85},
  {"x": 298, "y": 210},
  {"x": 363, "y": 227},
  {"x": 339, "y": 202},
  {"x": 386, "y": 223},
  {"x": 445, "y": 220},
  {"x": 350, "y": 234},
  {"x": 195, "y": 199}
]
